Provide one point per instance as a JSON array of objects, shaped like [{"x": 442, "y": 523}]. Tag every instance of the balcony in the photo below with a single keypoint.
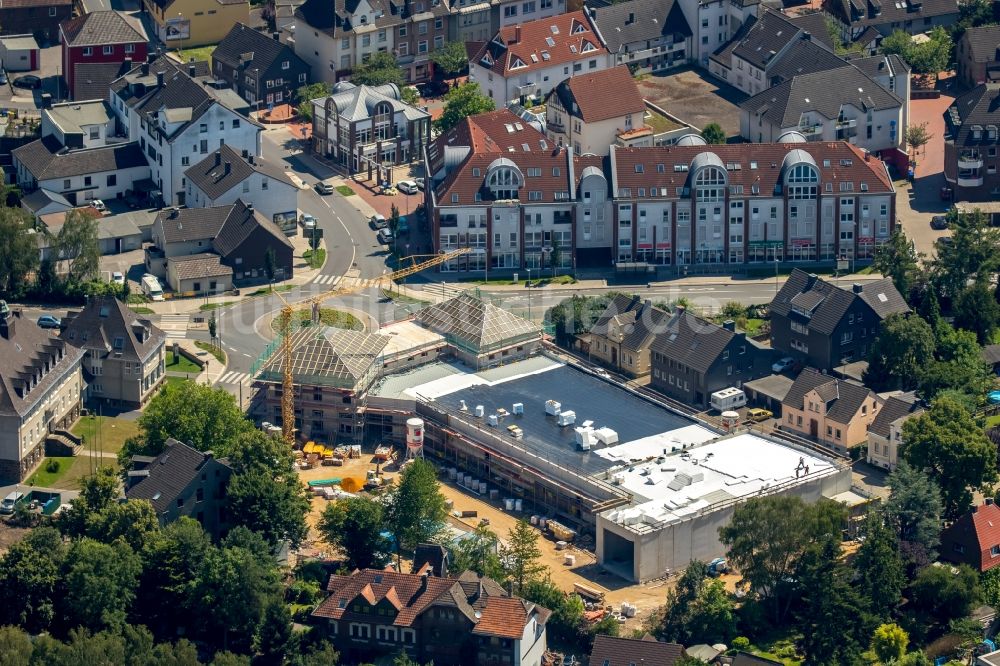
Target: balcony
[
  {"x": 810, "y": 129},
  {"x": 555, "y": 126},
  {"x": 970, "y": 161},
  {"x": 846, "y": 123},
  {"x": 970, "y": 181}
]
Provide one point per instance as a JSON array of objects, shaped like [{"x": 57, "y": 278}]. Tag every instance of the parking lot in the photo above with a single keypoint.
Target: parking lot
[{"x": 695, "y": 97}]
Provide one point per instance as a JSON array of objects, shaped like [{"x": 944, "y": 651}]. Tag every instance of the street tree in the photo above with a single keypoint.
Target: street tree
[
  {"x": 416, "y": 510},
  {"x": 18, "y": 252},
  {"x": 879, "y": 573},
  {"x": 889, "y": 643},
  {"x": 451, "y": 58},
  {"x": 898, "y": 260},
  {"x": 947, "y": 444},
  {"x": 913, "y": 511},
  {"x": 379, "y": 69},
  {"x": 713, "y": 133},
  {"x": 270, "y": 263},
  {"x": 98, "y": 584},
  {"x": 355, "y": 526},
  {"x": 77, "y": 244},
  {"x": 521, "y": 555},
  {"x": 213, "y": 326},
  {"x": 307, "y": 93},
  {"x": 976, "y": 309},
  {"x": 461, "y": 102},
  {"x": 480, "y": 552},
  {"x": 900, "y": 351},
  {"x": 917, "y": 136}
]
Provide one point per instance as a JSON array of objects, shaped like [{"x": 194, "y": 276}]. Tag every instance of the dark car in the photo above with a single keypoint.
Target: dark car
[
  {"x": 29, "y": 81},
  {"x": 48, "y": 321},
  {"x": 939, "y": 222},
  {"x": 944, "y": 241}
]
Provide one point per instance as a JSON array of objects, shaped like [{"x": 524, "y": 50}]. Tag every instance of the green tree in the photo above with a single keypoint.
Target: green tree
[
  {"x": 898, "y": 260},
  {"x": 76, "y": 243},
  {"x": 555, "y": 256},
  {"x": 417, "y": 509},
  {"x": 575, "y": 315},
  {"x": 768, "y": 534},
  {"x": 948, "y": 444},
  {"x": 230, "y": 659},
  {"x": 134, "y": 522},
  {"x": 681, "y": 600},
  {"x": 213, "y": 327},
  {"x": 933, "y": 55},
  {"x": 394, "y": 220},
  {"x": 275, "y": 633},
  {"x": 878, "y": 567},
  {"x": 914, "y": 511},
  {"x": 15, "y": 647},
  {"x": 945, "y": 593},
  {"x": 29, "y": 579},
  {"x": 917, "y": 137},
  {"x": 713, "y": 133},
  {"x": 98, "y": 492},
  {"x": 46, "y": 280},
  {"x": 977, "y": 310},
  {"x": 307, "y": 93},
  {"x": 567, "y": 610},
  {"x": 521, "y": 555},
  {"x": 355, "y": 525},
  {"x": 409, "y": 95},
  {"x": 270, "y": 263},
  {"x": 973, "y": 254},
  {"x": 889, "y": 643},
  {"x": 451, "y": 58},
  {"x": 990, "y": 584},
  {"x": 379, "y": 69},
  {"x": 18, "y": 251},
  {"x": 899, "y": 353},
  {"x": 461, "y": 102},
  {"x": 98, "y": 583},
  {"x": 480, "y": 552},
  {"x": 958, "y": 366}
]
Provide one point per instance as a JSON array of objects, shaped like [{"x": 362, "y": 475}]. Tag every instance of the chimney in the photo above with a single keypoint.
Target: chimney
[
  {"x": 229, "y": 166},
  {"x": 858, "y": 287},
  {"x": 517, "y": 35},
  {"x": 174, "y": 213},
  {"x": 806, "y": 36},
  {"x": 811, "y": 280},
  {"x": 128, "y": 64},
  {"x": 276, "y": 36},
  {"x": 423, "y": 582},
  {"x": 868, "y": 156},
  {"x": 145, "y": 69},
  {"x": 6, "y": 321},
  {"x": 159, "y": 79},
  {"x": 631, "y": 18},
  {"x": 989, "y": 501},
  {"x": 729, "y": 325},
  {"x": 218, "y": 157},
  {"x": 250, "y": 207},
  {"x": 150, "y": 57},
  {"x": 191, "y": 71}
]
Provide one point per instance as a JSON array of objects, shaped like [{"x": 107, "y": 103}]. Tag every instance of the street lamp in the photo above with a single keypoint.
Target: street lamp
[{"x": 529, "y": 293}]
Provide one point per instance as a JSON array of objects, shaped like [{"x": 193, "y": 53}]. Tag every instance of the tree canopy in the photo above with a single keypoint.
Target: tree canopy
[
  {"x": 713, "y": 133},
  {"x": 379, "y": 69},
  {"x": 900, "y": 351},
  {"x": 914, "y": 511},
  {"x": 461, "y": 102},
  {"x": 451, "y": 58},
  {"x": 355, "y": 525},
  {"x": 18, "y": 252}
]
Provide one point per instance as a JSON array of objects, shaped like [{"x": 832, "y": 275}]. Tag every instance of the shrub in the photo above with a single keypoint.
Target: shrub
[{"x": 52, "y": 466}]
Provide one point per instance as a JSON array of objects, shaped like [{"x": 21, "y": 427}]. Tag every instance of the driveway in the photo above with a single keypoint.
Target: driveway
[{"x": 696, "y": 98}]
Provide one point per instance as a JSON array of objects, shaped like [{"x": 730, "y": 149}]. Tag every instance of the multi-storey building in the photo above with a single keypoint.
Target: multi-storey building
[
  {"x": 259, "y": 67},
  {"x": 336, "y": 37},
  {"x": 977, "y": 55},
  {"x": 912, "y": 16},
  {"x": 362, "y": 127},
  {"x": 970, "y": 144},
  {"x": 40, "y": 389},
  {"x": 37, "y": 17},
  {"x": 885, "y": 434},
  {"x": 497, "y": 185},
  {"x": 99, "y": 37},
  {"x": 528, "y": 60},
  {"x": 646, "y": 35},
  {"x": 181, "y": 24},
  {"x": 836, "y": 412}
]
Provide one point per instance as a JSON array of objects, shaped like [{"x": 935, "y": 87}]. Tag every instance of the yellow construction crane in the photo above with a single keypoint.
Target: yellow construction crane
[{"x": 288, "y": 312}]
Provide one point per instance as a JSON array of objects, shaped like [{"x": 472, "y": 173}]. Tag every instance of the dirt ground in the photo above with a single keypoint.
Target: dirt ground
[
  {"x": 10, "y": 535},
  {"x": 696, "y": 98}
]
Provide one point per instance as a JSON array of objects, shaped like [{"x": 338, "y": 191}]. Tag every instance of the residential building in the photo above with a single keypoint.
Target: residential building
[
  {"x": 622, "y": 335},
  {"x": 528, "y": 60},
  {"x": 857, "y": 110},
  {"x": 336, "y": 37},
  {"x": 769, "y": 50},
  {"x": 182, "y": 24},
  {"x": 207, "y": 250},
  {"x": 593, "y": 110},
  {"x": 834, "y": 412},
  {"x": 432, "y": 558},
  {"x": 970, "y": 144},
  {"x": 364, "y": 128},
  {"x": 259, "y": 67},
  {"x": 513, "y": 12},
  {"x": 80, "y": 124},
  {"x": 182, "y": 481},
  {"x": 20, "y": 53},
  {"x": 912, "y": 16},
  {"x": 79, "y": 175},
  {"x": 178, "y": 119},
  {"x": 43, "y": 202},
  {"x": 885, "y": 434},
  {"x": 977, "y": 55},
  {"x": 226, "y": 176},
  {"x": 124, "y": 362},
  {"x": 646, "y": 35},
  {"x": 36, "y": 17},
  {"x": 108, "y": 37},
  {"x": 692, "y": 358},
  {"x": 615, "y": 651},
  {"x": 495, "y": 178},
  {"x": 40, "y": 389},
  {"x": 974, "y": 538},
  {"x": 893, "y": 74},
  {"x": 375, "y": 612}
]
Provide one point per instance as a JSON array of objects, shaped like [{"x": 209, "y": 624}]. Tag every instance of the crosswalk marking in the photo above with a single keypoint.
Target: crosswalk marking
[
  {"x": 234, "y": 377},
  {"x": 175, "y": 325},
  {"x": 327, "y": 280}
]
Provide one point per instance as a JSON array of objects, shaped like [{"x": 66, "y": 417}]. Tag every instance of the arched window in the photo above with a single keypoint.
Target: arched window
[
  {"x": 710, "y": 184},
  {"x": 504, "y": 179},
  {"x": 802, "y": 181},
  {"x": 382, "y": 119}
]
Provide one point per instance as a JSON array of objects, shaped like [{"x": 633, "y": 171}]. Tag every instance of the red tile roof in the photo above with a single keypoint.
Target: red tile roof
[
  {"x": 647, "y": 651},
  {"x": 503, "y": 617},
  {"x": 610, "y": 93},
  {"x": 404, "y": 591},
  {"x": 971, "y": 538},
  {"x": 517, "y": 49}
]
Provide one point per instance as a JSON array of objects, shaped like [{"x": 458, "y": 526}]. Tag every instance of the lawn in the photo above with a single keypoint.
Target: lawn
[
  {"x": 316, "y": 258},
  {"x": 214, "y": 350},
  {"x": 206, "y": 307},
  {"x": 143, "y": 310},
  {"x": 327, "y": 317},
  {"x": 174, "y": 380},
  {"x": 402, "y": 299},
  {"x": 181, "y": 364},
  {"x": 43, "y": 477},
  {"x": 992, "y": 421},
  {"x": 105, "y": 432},
  {"x": 344, "y": 190},
  {"x": 264, "y": 291},
  {"x": 200, "y": 53}
]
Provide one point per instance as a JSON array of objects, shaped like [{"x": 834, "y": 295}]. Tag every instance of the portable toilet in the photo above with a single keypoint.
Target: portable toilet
[{"x": 728, "y": 399}]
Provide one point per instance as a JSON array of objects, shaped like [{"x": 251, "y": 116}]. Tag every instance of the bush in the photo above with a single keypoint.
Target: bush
[
  {"x": 741, "y": 643},
  {"x": 52, "y": 466}
]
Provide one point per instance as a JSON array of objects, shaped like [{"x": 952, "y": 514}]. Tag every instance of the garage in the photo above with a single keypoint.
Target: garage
[{"x": 20, "y": 53}]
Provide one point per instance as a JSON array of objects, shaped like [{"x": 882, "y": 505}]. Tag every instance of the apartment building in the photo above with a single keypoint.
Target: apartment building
[
  {"x": 261, "y": 69},
  {"x": 835, "y": 412},
  {"x": 646, "y": 35},
  {"x": 970, "y": 144},
  {"x": 912, "y": 16}
]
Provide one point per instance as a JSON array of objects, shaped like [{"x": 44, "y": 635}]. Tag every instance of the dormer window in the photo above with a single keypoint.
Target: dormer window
[{"x": 363, "y": 20}]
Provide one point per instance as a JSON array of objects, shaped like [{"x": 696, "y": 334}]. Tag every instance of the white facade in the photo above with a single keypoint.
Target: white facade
[
  {"x": 710, "y": 23},
  {"x": 269, "y": 196},
  {"x": 92, "y": 131},
  {"x": 564, "y": 129},
  {"x": 871, "y": 130},
  {"x": 98, "y": 185},
  {"x": 513, "y": 12},
  {"x": 532, "y": 644},
  {"x": 534, "y": 83}
]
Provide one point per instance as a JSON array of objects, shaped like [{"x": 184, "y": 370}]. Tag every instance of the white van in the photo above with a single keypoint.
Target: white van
[
  {"x": 151, "y": 287},
  {"x": 728, "y": 399},
  {"x": 10, "y": 502}
]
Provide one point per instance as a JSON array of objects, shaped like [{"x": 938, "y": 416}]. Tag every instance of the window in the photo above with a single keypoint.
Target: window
[
  {"x": 510, "y": 11},
  {"x": 203, "y": 128},
  {"x": 402, "y": 31},
  {"x": 995, "y": 551},
  {"x": 130, "y": 48},
  {"x": 236, "y": 121},
  {"x": 185, "y": 161},
  {"x": 88, "y": 51},
  {"x": 422, "y": 46},
  {"x": 108, "y": 49},
  {"x": 422, "y": 28},
  {"x": 285, "y": 64},
  {"x": 52, "y": 11},
  {"x": 112, "y": 180}
]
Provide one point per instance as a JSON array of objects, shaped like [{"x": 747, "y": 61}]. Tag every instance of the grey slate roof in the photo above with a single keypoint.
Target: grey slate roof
[
  {"x": 239, "y": 224},
  {"x": 476, "y": 324},
  {"x": 91, "y": 80},
  {"x": 650, "y": 19},
  {"x": 803, "y": 57},
  {"x": 187, "y": 224},
  {"x": 772, "y": 32},
  {"x": 265, "y": 50},
  {"x": 980, "y": 106},
  {"x": 45, "y": 161},
  {"x": 358, "y": 102},
  {"x": 41, "y": 198},
  {"x": 630, "y": 321},
  {"x": 880, "y": 65},
  {"x": 815, "y": 24},
  {"x": 784, "y": 104},
  {"x": 843, "y": 398},
  {"x": 108, "y": 325},
  {"x": 210, "y": 175},
  {"x": 195, "y": 266},
  {"x": 991, "y": 354},
  {"x": 102, "y": 27},
  {"x": 861, "y": 13},
  {"x": 893, "y": 409},
  {"x": 691, "y": 340},
  {"x": 169, "y": 474},
  {"x": 983, "y": 42}
]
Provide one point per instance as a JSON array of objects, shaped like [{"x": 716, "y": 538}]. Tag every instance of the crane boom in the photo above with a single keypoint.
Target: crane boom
[{"x": 285, "y": 319}]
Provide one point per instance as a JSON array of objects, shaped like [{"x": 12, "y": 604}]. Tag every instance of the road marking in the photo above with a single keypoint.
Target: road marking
[
  {"x": 175, "y": 325},
  {"x": 327, "y": 280},
  {"x": 234, "y": 377}
]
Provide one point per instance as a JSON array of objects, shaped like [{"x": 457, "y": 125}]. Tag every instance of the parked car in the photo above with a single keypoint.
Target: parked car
[
  {"x": 98, "y": 205},
  {"x": 323, "y": 187},
  {"x": 407, "y": 187},
  {"x": 29, "y": 81},
  {"x": 384, "y": 236},
  {"x": 117, "y": 278},
  {"x": 307, "y": 221},
  {"x": 378, "y": 221},
  {"x": 783, "y": 365},
  {"x": 419, "y": 182},
  {"x": 944, "y": 241},
  {"x": 756, "y": 414},
  {"x": 49, "y": 321},
  {"x": 939, "y": 222},
  {"x": 10, "y": 502}
]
